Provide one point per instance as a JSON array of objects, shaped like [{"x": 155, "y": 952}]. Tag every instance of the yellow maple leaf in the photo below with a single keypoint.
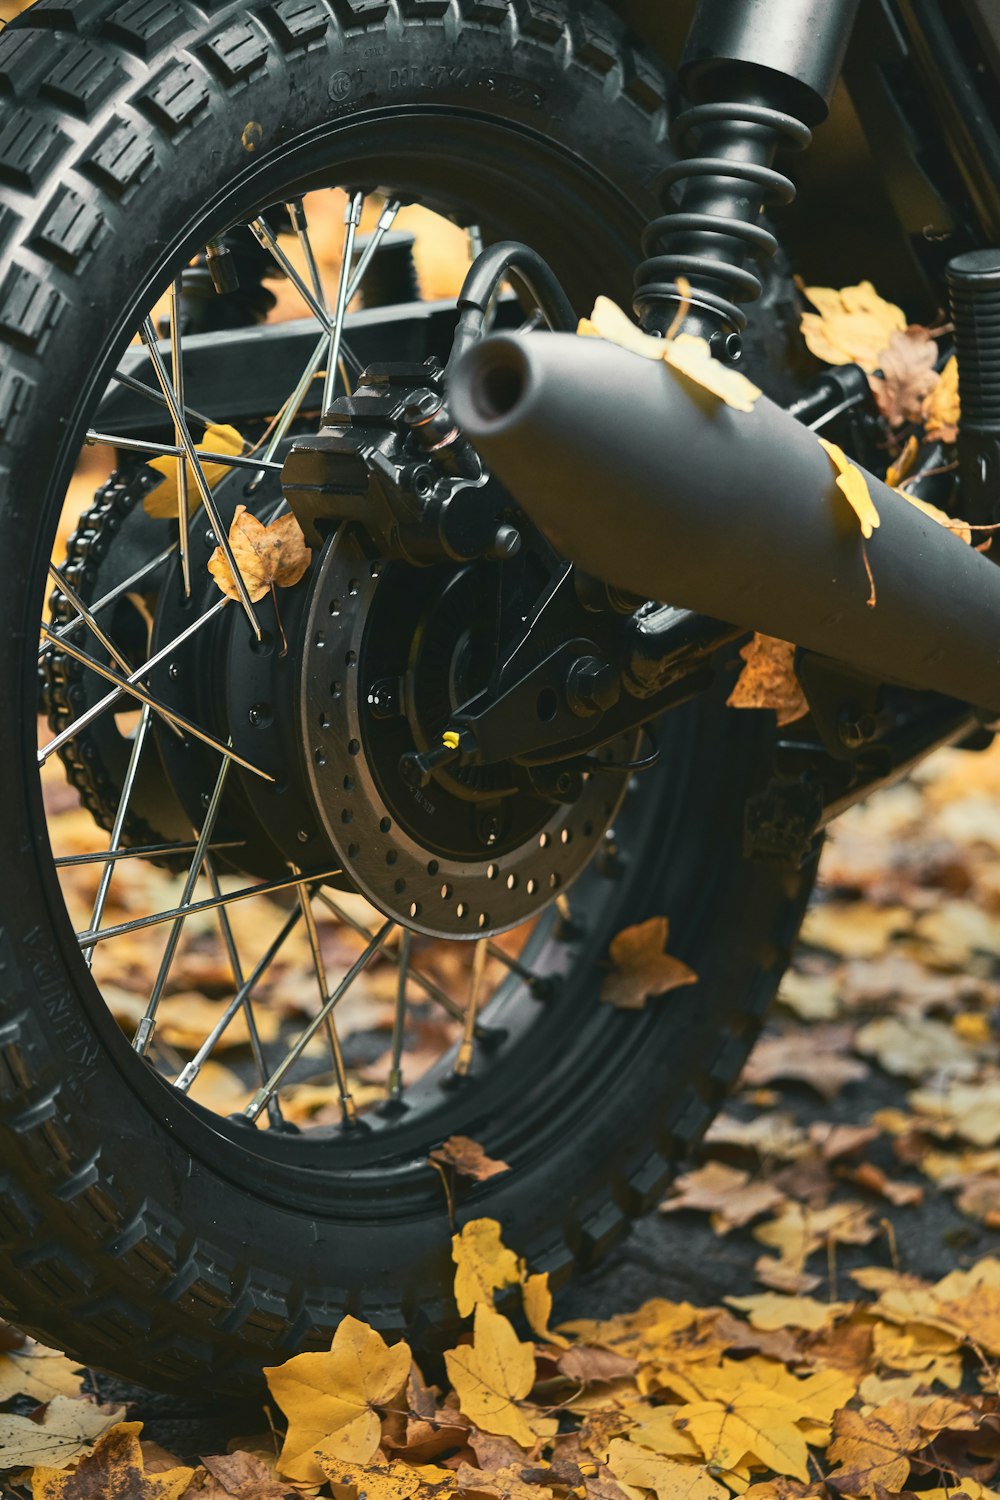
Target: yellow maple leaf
[
  {"x": 484, "y": 1264},
  {"x": 382, "y": 1481},
  {"x": 492, "y": 1374},
  {"x": 38, "y": 1372},
  {"x": 115, "y": 1467},
  {"x": 688, "y": 355},
  {"x": 751, "y": 1419},
  {"x": 331, "y": 1399},
  {"x": 161, "y": 504},
  {"x": 656, "y": 1428},
  {"x": 873, "y": 1448},
  {"x": 854, "y": 487},
  {"x": 268, "y": 557},
  {"x": 851, "y": 326},
  {"x": 668, "y": 1478},
  {"x": 537, "y": 1301},
  {"x": 770, "y": 1311}
]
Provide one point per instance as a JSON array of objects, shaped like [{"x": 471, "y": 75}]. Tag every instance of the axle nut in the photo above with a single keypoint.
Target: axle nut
[{"x": 593, "y": 686}]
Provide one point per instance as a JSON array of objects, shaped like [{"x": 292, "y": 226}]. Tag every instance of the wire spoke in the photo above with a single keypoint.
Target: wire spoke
[
  {"x": 177, "y": 370},
  {"x": 273, "y": 1107},
  {"x": 352, "y": 218},
  {"x": 95, "y": 711},
  {"x": 112, "y": 595},
  {"x": 467, "y": 1046},
  {"x": 65, "y": 587},
  {"x": 171, "y": 450},
  {"x": 148, "y": 1022},
  {"x": 127, "y": 685},
  {"x": 259, "y": 1100},
  {"x": 294, "y": 404},
  {"x": 432, "y": 990},
  {"x": 148, "y": 335},
  {"x": 140, "y": 851},
  {"x": 141, "y": 389},
  {"x": 348, "y": 1111},
  {"x": 190, "y": 1072},
  {"x": 394, "y": 1086},
  {"x": 266, "y": 236},
  {"x": 119, "y": 823},
  {"x": 139, "y": 924},
  {"x": 86, "y": 615}
]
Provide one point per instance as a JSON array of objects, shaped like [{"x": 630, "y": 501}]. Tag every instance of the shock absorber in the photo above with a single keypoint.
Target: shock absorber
[{"x": 760, "y": 73}]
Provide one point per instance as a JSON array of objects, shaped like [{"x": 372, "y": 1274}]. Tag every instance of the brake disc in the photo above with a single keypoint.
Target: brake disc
[{"x": 389, "y": 652}]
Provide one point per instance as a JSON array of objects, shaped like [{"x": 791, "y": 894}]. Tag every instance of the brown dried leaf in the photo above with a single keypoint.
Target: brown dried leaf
[
  {"x": 244, "y": 1476},
  {"x": 942, "y": 409},
  {"x": 114, "y": 1468},
  {"x": 908, "y": 375},
  {"x": 274, "y": 556},
  {"x": 815, "y": 1057},
  {"x": 592, "y": 1366},
  {"x": 768, "y": 680},
  {"x": 468, "y": 1159},
  {"x": 642, "y": 966},
  {"x": 732, "y": 1197}
]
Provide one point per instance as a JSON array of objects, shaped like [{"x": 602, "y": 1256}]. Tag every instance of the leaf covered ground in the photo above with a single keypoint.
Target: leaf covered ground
[{"x": 815, "y": 1310}]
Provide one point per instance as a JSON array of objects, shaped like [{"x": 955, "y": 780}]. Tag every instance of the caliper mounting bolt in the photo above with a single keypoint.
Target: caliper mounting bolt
[{"x": 592, "y": 687}]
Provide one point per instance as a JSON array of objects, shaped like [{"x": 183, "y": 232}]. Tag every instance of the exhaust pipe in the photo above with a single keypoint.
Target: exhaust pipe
[{"x": 657, "y": 487}]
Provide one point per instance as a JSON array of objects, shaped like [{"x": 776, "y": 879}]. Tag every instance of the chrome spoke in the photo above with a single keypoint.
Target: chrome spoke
[
  {"x": 467, "y": 1046},
  {"x": 127, "y": 685},
  {"x": 266, "y": 237},
  {"x": 87, "y": 616},
  {"x": 225, "y": 926},
  {"x": 90, "y": 714},
  {"x": 432, "y": 990},
  {"x": 148, "y": 1022},
  {"x": 177, "y": 370},
  {"x": 113, "y": 594},
  {"x": 141, "y": 389},
  {"x": 352, "y": 218},
  {"x": 139, "y": 924},
  {"x": 294, "y": 404},
  {"x": 515, "y": 965},
  {"x": 190, "y": 1072},
  {"x": 292, "y": 408},
  {"x": 148, "y": 335},
  {"x": 348, "y": 1112},
  {"x": 394, "y": 1086},
  {"x": 297, "y": 214},
  {"x": 119, "y": 824},
  {"x": 386, "y": 220},
  {"x": 140, "y": 851},
  {"x": 172, "y": 450},
  {"x": 259, "y": 1100}
]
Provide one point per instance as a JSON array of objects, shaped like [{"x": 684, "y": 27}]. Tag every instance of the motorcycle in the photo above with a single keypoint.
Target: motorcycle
[{"x": 397, "y": 639}]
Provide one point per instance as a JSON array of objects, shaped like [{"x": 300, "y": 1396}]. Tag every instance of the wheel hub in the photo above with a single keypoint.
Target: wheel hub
[{"x": 389, "y": 652}]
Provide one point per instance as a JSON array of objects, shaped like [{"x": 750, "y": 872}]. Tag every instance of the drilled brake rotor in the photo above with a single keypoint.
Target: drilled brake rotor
[{"x": 389, "y": 652}]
